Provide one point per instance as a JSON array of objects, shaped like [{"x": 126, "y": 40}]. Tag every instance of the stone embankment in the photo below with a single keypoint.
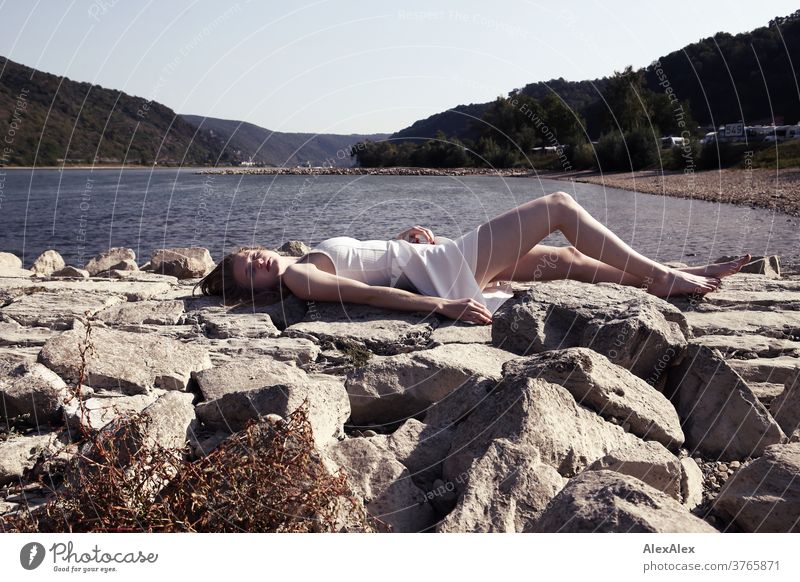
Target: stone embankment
[
  {"x": 357, "y": 171},
  {"x": 583, "y": 408}
]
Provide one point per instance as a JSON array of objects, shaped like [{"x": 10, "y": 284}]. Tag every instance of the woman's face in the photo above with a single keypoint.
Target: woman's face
[{"x": 256, "y": 270}]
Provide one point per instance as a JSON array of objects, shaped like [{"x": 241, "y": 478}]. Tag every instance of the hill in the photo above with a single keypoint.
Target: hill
[
  {"x": 281, "y": 149},
  {"x": 53, "y": 120}
]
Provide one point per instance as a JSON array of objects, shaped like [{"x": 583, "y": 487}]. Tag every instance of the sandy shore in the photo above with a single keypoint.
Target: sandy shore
[{"x": 765, "y": 188}]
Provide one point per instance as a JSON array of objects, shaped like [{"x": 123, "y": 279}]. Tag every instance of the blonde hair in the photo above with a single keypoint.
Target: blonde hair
[{"x": 221, "y": 281}]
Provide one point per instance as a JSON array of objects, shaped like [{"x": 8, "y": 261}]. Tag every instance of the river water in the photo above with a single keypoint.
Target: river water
[{"x": 83, "y": 212}]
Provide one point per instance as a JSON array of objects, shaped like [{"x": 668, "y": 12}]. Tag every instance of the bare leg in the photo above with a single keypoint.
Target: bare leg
[
  {"x": 506, "y": 238},
  {"x": 548, "y": 263}
]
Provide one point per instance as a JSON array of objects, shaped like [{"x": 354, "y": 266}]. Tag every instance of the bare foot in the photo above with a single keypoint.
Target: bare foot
[
  {"x": 719, "y": 269},
  {"x": 677, "y": 282}
]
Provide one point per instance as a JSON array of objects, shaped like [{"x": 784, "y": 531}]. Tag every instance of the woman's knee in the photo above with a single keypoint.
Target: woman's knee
[{"x": 561, "y": 204}]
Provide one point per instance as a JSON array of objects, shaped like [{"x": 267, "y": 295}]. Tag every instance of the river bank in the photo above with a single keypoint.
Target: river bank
[{"x": 760, "y": 187}]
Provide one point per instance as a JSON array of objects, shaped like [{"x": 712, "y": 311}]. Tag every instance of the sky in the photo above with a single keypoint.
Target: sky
[{"x": 343, "y": 66}]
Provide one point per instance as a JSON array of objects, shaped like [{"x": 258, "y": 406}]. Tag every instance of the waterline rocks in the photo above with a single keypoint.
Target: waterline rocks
[
  {"x": 183, "y": 263},
  {"x": 47, "y": 263},
  {"x": 113, "y": 258}
]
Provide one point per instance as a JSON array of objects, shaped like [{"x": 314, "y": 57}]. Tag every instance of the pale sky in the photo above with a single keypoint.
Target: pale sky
[{"x": 351, "y": 66}]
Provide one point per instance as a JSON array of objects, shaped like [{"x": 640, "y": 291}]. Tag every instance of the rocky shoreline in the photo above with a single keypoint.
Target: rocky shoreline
[
  {"x": 578, "y": 398},
  {"x": 358, "y": 171}
]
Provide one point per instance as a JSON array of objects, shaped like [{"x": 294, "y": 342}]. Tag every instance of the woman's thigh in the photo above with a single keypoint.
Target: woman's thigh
[
  {"x": 542, "y": 263},
  {"x": 505, "y": 239}
]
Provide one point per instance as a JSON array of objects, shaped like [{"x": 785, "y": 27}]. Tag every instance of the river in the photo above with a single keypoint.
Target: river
[{"x": 82, "y": 212}]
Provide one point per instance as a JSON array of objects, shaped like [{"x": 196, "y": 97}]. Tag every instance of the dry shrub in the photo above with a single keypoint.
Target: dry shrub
[{"x": 266, "y": 478}]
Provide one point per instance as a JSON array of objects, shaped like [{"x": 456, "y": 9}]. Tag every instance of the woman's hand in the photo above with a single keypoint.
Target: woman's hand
[
  {"x": 466, "y": 310},
  {"x": 415, "y": 234}
]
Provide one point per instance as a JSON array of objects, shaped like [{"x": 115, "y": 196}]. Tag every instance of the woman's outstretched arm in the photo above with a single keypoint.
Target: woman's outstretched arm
[{"x": 310, "y": 283}]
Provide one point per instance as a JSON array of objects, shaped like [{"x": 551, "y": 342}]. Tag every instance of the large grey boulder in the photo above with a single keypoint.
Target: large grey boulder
[
  {"x": 764, "y": 496},
  {"x": 28, "y": 388},
  {"x": 721, "y": 417},
  {"x": 541, "y": 415},
  {"x": 48, "y": 262},
  {"x": 608, "y": 389},
  {"x": 393, "y": 388},
  {"x": 507, "y": 490},
  {"x": 183, "y": 263},
  {"x": 243, "y": 375},
  {"x": 70, "y": 272},
  {"x": 219, "y": 324},
  {"x": 126, "y": 362},
  {"x": 380, "y": 331},
  {"x": 274, "y": 388},
  {"x": 384, "y": 484},
  {"x": 607, "y": 501},
  {"x": 631, "y": 327},
  {"x": 109, "y": 259}
]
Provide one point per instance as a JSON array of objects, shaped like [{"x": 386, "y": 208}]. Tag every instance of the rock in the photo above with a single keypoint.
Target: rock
[
  {"x": 293, "y": 248},
  {"x": 121, "y": 267},
  {"x": 419, "y": 447},
  {"x": 302, "y": 352},
  {"x": 649, "y": 462},
  {"x": 245, "y": 375},
  {"x": 183, "y": 263},
  {"x": 383, "y": 332},
  {"x": 385, "y": 485},
  {"x": 108, "y": 259},
  {"x": 610, "y": 390},
  {"x": 14, "y": 334},
  {"x": 48, "y": 262},
  {"x": 769, "y": 265},
  {"x": 144, "y": 312},
  {"x": 764, "y": 496},
  {"x": 241, "y": 402},
  {"x": 691, "y": 483},
  {"x": 777, "y": 324},
  {"x": 98, "y": 410},
  {"x": 165, "y": 424},
  {"x": 631, "y": 327},
  {"x": 507, "y": 490},
  {"x": 10, "y": 261},
  {"x": 223, "y": 325},
  {"x": 56, "y": 310},
  {"x": 130, "y": 363},
  {"x": 537, "y": 414},
  {"x": 70, "y": 272},
  {"x": 132, "y": 289},
  {"x": 786, "y": 407},
  {"x": 750, "y": 346},
  {"x": 392, "y": 388},
  {"x": 607, "y": 501},
  {"x": 19, "y": 454},
  {"x": 458, "y": 332},
  {"x": 774, "y": 370},
  {"x": 721, "y": 417},
  {"x": 31, "y": 389}
]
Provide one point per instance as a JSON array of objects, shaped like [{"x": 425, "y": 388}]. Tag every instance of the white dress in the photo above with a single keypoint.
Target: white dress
[{"x": 444, "y": 269}]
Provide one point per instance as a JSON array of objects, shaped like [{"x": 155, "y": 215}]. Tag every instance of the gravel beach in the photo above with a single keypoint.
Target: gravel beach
[{"x": 765, "y": 188}]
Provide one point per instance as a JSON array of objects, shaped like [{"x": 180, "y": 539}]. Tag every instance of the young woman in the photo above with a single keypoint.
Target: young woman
[{"x": 455, "y": 278}]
